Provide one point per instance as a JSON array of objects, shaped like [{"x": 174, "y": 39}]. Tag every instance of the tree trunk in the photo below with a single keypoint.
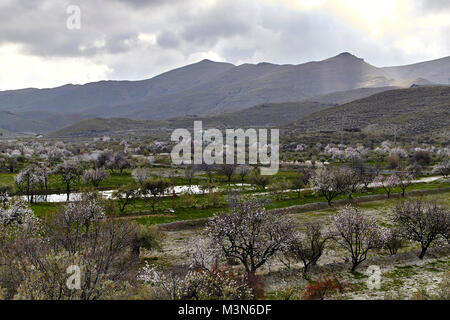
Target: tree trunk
[
  {"x": 422, "y": 253},
  {"x": 68, "y": 192}
]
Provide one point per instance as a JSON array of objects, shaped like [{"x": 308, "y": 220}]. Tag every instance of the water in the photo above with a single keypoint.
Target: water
[{"x": 193, "y": 189}]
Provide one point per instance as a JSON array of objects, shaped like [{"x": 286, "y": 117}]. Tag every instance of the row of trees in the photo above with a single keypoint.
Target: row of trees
[{"x": 252, "y": 236}]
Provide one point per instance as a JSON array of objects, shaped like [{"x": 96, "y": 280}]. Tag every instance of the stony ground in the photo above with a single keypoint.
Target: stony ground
[{"x": 400, "y": 276}]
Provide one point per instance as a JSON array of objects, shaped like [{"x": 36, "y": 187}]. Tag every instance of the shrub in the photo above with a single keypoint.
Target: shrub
[
  {"x": 320, "y": 289},
  {"x": 422, "y": 157}
]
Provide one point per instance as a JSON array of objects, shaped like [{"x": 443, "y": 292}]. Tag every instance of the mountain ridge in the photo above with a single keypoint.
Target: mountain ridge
[{"x": 209, "y": 88}]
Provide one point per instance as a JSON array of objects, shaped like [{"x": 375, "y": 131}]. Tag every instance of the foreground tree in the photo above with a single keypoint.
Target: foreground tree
[
  {"x": 307, "y": 247},
  {"x": 355, "y": 233},
  {"x": 421, "y": 221},
  {"x": 250, "y": 234},
  {"x": 70, "y": 172}
]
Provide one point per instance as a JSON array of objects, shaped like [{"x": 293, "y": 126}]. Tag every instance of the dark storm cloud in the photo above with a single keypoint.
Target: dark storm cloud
[
  {"x": 168, "y": 39},
  {"x": 138, "y": 38},
  {"x": 434, "y": 6}
]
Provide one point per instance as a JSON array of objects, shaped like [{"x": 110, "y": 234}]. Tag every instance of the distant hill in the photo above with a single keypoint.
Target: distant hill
[
  {"x": 413, "y": 111},
  {"x": 208, "y": 88},
  {"x": 265, "y": 115},
  {"x": 435, "y": 71}
]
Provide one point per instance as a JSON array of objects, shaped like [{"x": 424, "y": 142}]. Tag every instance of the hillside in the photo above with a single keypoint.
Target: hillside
[
  {"x": 414, "y": 111},
  {"x": 266, "y": 115},
  {"x": 436, "y": 71}
]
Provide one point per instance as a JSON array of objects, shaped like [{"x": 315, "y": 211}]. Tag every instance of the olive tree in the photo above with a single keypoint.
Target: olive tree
[
  {"x": 153, "y": 189},
  {"x": 301, "y": 180}
]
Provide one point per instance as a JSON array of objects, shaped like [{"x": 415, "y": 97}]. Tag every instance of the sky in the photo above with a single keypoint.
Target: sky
[{"x": 48, "y": 43}]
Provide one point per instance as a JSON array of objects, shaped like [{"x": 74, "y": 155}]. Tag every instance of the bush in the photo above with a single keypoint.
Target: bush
[
  {"x": 422, "y": 157},
  {"x": 393, "y": 161},
  {"x": 320, "y": 289}
]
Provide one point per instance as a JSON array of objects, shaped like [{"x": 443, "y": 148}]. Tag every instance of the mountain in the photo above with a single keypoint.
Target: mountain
[
  {"x": 206, "y": 88},
  {"x": 436, "y": 71},
  {"x": 413, "y": 111}
]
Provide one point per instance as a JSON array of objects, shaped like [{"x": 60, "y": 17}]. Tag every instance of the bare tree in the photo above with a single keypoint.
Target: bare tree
[
  {"x": 243, "y": 171},
  {"x": 256, "y": 178},
  {"x": 227, "y": 170},
  {"x": 421, "y": 221},
  {"x": 209, "y": 169},
  {"x": 307, "y": 247},
  {"x": 189, "y": 173},
  {"x": 141, "y": 174},
  {"x": 118, "y": 161}
]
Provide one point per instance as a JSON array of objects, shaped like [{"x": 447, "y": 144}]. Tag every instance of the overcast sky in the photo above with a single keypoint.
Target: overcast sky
[{"x": 138, "y": 39}]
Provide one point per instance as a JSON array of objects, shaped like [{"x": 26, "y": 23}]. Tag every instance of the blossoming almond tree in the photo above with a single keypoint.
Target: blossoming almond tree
[
  {"x": 250, "y": 234},
  {"x": 325, "y": 183},
  {"x": 421, "y": 222},
  {"x": 356, "y": 233},
  {"x": 388, "y": 183},
  {"x": 70, "y": 172}
]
